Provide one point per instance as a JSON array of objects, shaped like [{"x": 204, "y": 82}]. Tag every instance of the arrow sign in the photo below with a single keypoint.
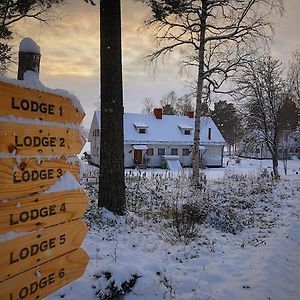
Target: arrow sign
[
  {"x": 21, "y": 176},
  {"x": 32, "y": 139},
  {"x": 43, "y": 280},
  {"x": 34, "y": 213},
  {"x": 20, "y": 254},
  {"x": 28, "y": 103}
]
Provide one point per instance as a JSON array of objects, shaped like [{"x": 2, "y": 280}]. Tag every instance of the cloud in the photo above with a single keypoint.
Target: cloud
[{"x": 70, "y": 52}]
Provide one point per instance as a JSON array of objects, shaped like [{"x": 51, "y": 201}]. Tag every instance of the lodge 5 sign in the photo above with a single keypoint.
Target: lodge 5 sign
[
  {"x": 39, "y": 140},
  {"x": 36, "y": 248}
]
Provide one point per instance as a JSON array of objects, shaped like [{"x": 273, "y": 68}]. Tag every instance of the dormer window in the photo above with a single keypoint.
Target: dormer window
[
  {"x": 185, "y": 129},
  {"x": 142, "y": 130},
  {"x": 141, "y": 127}
]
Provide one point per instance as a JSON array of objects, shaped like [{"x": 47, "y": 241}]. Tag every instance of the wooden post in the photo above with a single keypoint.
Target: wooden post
[
  {"x": 29, "y": 58},
  {"x": 43, "y": 125}
]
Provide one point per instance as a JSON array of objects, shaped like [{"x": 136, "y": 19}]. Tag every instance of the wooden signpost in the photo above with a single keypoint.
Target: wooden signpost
[
  {"x": 43, "y": 280},
  {"x": 41, "y": 211},
  {"x": 38, "y": 247},
  {"x": 28, "y": 103},
  {"x": 40, "y": 231},
  {"x": 20, "y": 176},
  {"x": 36, "y": 139}
]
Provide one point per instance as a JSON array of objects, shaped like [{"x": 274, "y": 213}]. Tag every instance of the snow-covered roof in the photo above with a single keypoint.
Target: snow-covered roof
[
  {"x": 140, "y": 125},
  {"x": 166, "y": 130},
  {"x": 185, "y": 126}
]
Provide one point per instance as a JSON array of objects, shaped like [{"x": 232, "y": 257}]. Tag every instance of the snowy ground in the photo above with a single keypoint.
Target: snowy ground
[{"x": 258, "y": 260}]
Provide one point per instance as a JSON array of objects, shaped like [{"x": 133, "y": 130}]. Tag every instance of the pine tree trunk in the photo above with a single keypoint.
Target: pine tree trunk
[
  {"x": 112, "y": 184},
  {"x": 196, "y": 148}
]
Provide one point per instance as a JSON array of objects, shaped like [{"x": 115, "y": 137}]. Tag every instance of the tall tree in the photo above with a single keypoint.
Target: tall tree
[
  {"x": 288, "y": 122},
  {"x": 148, "y": 106},
  {"x": 228, "y": 121},
  {"x": 262, "y": 88},
  {"x": 168, "y": 103},
  {"x": 11, "y": 12},
  {"x": 215, "y": 34},
  {"x": 184, "y": 104},
  {"x": 294, "y": 78},
  {"x": 112, "y": 182}
]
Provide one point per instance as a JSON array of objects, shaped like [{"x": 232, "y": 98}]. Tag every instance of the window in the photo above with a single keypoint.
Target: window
[
  {"x": 295, "y": 140},
  {"x": 185, "y": 152},
  {"x": 257, "y": 150},
  {"x": 149, "y": 152},
  {"x": 98, "y": 152},
  {"x": 174, "y": 151},
  {"x": 140, "y": 127},
  {"x": 209, "y": 133},
  {"x": 142, "y": 130},
  {"x": 291, "y": 150},
  {"x": 296, "y": 150},
  {"x": 161, "y": 151},
  {"x": 187, "y": 132}
]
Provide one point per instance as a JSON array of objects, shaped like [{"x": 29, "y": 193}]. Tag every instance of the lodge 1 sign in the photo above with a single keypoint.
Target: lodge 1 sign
[{"x": 41, "y": 229}]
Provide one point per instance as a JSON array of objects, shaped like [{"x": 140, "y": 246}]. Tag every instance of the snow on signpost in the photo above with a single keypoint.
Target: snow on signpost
[{"x": 41, "y": 202}]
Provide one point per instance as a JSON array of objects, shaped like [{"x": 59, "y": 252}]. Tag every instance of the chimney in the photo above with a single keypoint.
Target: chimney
[
  {"x": 158, "y": 113},
  {"x": 190, "y": 114},
  {"x": 29, "y": 57}
]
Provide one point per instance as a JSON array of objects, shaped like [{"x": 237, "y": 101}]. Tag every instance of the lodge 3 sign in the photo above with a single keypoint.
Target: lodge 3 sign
[{"x": 41, "y": 229}]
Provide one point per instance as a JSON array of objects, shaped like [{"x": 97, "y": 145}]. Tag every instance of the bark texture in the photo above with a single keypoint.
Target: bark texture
[{"x": 112, "y": 184}]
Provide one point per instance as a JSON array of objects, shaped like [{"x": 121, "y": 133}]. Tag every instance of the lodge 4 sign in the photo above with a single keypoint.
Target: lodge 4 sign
[
  {"x": 29, "y": 103},
  {"x": 46, "y": 278},
  {"x": 40, "y": 211}
]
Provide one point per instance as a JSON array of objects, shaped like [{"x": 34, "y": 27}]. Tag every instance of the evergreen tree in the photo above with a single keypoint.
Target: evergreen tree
[{"x": 228, "y": 121}]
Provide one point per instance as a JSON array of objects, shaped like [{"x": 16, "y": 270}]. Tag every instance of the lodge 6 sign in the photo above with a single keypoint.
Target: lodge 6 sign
[
  {"x": 39, "y": 138},
  {"x": 46, "y": 278}
]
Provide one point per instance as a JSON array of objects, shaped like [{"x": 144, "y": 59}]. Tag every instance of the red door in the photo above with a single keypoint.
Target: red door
[{"x": 137, "y": 157}]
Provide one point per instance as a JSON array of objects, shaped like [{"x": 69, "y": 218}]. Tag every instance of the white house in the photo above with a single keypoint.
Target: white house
[
  {"x": 155, "y": 140},
  {"x": 255, "y": 146}
]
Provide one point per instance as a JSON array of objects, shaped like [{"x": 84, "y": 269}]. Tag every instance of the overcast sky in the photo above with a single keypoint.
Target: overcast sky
[{"x": 70, "y": 53}]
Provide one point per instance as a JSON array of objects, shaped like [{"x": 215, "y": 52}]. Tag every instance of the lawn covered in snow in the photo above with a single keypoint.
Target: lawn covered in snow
[{"x": 235, "y": 237}]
